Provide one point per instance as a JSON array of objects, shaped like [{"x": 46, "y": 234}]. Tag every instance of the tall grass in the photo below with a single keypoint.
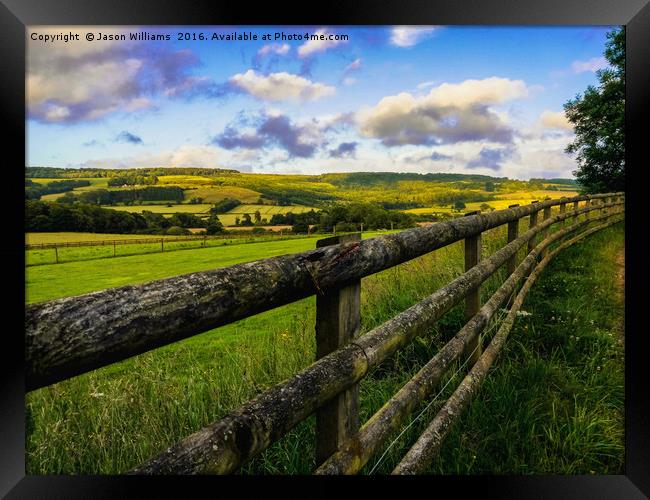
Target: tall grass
[{"x": 553, "y": 402}]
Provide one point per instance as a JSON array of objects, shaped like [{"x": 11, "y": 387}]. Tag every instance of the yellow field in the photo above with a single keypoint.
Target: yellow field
[
  {"x": 504, "y": 201},
  {"x": 270, "y": 209},
  {"x": 214, "y": 194},
  {"x": 266, "y": 211},
  {"x": 187, "y": 208},
  {"x": 184, "y": 180}
]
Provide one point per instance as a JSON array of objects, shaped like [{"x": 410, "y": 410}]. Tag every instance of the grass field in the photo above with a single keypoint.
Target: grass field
[
  {"x": 49, "y": 281},
  {"x": 38, "y": 238},
  {"x": 39, "y": 257},
  {"x": 553, "y": 402}
]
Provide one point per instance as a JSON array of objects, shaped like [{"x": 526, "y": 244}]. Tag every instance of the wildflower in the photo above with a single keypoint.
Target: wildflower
[
  {"x": 524, "y": 313},
  {"x": 96, "y": 394}
]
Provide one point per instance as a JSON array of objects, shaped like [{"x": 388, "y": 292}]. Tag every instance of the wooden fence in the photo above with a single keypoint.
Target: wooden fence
[
  {"x": 247, "y": 236},
  {"x": 70, "y": 336}
]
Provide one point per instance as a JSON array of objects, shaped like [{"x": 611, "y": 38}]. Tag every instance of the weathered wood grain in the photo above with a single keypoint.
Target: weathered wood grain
[{"x": 338, "y": 319}]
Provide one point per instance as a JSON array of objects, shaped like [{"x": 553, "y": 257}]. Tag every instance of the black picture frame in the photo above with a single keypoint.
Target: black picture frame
[{"x": 17, "y": 14}]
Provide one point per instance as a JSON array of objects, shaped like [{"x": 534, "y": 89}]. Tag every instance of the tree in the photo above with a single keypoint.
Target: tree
[
  {"x": 300, "y": 228},
  {"x": 246, "y": 220},
  {"x": 458, "y": 205},
  {"x": 258, "y": 217},
  {"x": 186, "y": 220},
  {"x": 598, "y": 119},
  {"x": 214, "y": 225}
]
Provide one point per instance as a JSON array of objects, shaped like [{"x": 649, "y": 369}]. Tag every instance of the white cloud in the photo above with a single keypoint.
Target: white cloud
[
  {"x": 348, "y": 80},
  {"x": 407, "y": 36},
  {"x": 274, "y": 48},
  {"x": 555, "y": 119},
  {"x": 353, "y": 66},
  {"x": 281, "y": 86},
  {"x": 427, "y": 84},
  {"x": 314, "y": 46},
  {"x": 448, "y": 113},
  {"x": 183, "y": 156},
  {"x": 593, "y": 65},
  {"x": 81, "y": 80},
  {"x": 56, "y": 113},
  {"x": 97, "y": 89},
  {"x": 492, "y": 90}
]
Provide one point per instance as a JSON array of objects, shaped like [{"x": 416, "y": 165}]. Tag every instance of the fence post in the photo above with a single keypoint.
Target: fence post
[
  {"x": 513, "y": 234},
  {"x": 563, "y": 211},
  {"x": 338, "y": 317},
  {"x": 547, "y": 214},
  {"x": 162, "y": 244},
  {"x": 56, "y": 255},
  {"x": 532, "y": 224},
  {"x": 113, "y": 248},
  {"x": 473, "y": 300},
  {"x": 575, "y": 209}
]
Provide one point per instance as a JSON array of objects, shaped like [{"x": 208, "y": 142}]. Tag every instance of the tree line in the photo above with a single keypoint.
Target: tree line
[
  {"x": 82, "y": 217},
  {"x": 345, "y": 217},
  {"x": 129, "y": 196},
  {"x": 34, "y": 190}
]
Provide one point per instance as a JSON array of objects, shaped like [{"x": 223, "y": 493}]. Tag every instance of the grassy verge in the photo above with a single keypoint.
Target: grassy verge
[{"x": 553, "y": 403}]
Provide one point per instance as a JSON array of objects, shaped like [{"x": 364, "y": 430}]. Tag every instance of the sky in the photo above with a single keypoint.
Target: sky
[{"x": 475, "y": 99}]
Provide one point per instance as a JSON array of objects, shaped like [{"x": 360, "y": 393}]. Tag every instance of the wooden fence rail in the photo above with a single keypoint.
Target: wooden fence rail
[
  {"x": 66, "y": 337},
  {"x": 144, "y": 241}
]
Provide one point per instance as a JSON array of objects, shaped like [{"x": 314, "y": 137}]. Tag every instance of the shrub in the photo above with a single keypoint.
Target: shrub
[{"x": 177, "y": 231}]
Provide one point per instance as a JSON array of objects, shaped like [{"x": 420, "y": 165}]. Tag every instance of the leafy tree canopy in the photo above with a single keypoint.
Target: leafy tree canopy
[{"x": 598, "y": 119}]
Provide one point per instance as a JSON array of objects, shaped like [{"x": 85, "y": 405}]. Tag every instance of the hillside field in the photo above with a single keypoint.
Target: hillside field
[
  {"x": 227, "y": 219},
  {"x": 413, "y": 193},
  {"x": 188, "y": 208}
]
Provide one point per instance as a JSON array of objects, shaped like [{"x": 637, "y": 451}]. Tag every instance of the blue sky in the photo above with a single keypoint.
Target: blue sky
[{"x": 484, "y": 100}]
